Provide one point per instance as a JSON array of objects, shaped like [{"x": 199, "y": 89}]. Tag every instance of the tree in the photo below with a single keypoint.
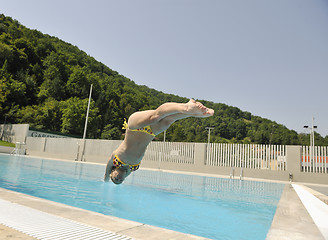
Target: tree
[
  {"x": 177, "y": 133},
  {"x": 52, "y": 87},
  {"x": 51, "y": 115},
  {"x": 77, "y": 84},
  {"x": 47, "y": 116},
  {"x": 74, "y": 113},
  {"x": 6, "y": 53},
  {"x": 111, "y": 132},
  {"x": 3, "y": 94}
]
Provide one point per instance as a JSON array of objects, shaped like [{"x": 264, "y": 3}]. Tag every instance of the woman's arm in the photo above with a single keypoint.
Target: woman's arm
[{"x": 108, "y": 168}]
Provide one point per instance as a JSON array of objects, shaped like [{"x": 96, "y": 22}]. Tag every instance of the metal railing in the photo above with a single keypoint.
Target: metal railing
[
  {"x": 272, "y": 157},
  {"x": 314, "y": 159},
  {"x": 174, "y": 152},
  {"x": 254, "y": 156},
  {"x": 20, "y": 148}
]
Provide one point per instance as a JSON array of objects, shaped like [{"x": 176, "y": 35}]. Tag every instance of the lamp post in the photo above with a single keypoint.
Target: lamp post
[
  {"x": 311, "y": 139},
  {"x": 86, "y": 125},
  {"x": 209, "y": 134},
  {"x": 208, "y": 141},
  {"x": 86, "y": 119}
]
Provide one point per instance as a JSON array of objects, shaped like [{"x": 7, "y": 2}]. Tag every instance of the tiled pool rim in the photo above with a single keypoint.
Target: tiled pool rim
[{"x": 291, "y": 219}]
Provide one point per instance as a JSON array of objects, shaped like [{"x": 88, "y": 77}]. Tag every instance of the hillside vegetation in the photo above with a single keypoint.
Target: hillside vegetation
[{"x": 45, "y": 82}]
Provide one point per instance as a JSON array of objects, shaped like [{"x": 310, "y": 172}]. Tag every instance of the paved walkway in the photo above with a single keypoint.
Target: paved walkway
[
  {"x": 292, "y": 221},
  {"x": 9, "y": 233},
  {"x": 320, "y": 191}
]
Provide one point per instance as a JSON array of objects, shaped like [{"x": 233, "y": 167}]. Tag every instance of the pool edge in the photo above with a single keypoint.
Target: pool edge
[
  {"x": 117, "y": 225},
  {"x": 292, "y": 220}
]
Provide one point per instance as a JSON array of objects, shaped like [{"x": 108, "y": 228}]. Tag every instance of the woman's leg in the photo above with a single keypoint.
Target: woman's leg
[
  {"x": 166, "y": 122},
  {"x": 151, "y": 117}
]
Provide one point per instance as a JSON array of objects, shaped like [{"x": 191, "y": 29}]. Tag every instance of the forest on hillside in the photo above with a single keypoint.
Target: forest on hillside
[{"x": 45, "y": 82}]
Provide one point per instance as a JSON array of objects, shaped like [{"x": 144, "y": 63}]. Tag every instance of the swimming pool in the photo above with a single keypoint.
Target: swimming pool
[{"x": 205, "y": 206}]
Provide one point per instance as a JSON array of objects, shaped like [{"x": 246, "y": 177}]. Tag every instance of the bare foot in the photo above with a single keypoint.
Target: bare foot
[
  {"x": 193, "y": 107},
  {"x": 197, "y": 109},
  {"x": 209, "y": 112}
]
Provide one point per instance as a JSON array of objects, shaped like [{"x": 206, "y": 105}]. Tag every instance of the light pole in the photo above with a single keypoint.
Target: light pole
[
  {"x": 209, "y": 134},
  {"x": 311, "y": 139},
  {"x": 208, "y": 142},
  {"x": 86, "y": 125},
  {"x": 86, "y": 119}
]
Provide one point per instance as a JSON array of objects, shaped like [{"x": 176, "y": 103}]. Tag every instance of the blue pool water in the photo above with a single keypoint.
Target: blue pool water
[{"x": 210, "y": 207}]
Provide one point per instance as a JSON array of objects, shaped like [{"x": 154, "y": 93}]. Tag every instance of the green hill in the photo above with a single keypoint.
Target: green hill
[{"x": 45, "y": 82}]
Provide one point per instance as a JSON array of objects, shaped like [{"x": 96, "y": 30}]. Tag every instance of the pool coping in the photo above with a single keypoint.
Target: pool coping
[
  {"x": 291, "y": 220},
  {"x": 113, "y": 224}
]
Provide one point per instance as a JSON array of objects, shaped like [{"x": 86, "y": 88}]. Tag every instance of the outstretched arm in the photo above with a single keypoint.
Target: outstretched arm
[{"x": 108, "y": 168}]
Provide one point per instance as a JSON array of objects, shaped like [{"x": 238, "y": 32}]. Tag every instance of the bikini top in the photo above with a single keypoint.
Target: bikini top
[{"x": 146, "y": 129}]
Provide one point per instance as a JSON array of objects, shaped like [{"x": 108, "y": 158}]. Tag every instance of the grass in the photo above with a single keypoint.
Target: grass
[{"x": 7, "y": 144}]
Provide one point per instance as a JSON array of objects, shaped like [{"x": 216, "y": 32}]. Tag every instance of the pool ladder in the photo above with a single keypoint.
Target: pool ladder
[{"x": 232, "y": 173}]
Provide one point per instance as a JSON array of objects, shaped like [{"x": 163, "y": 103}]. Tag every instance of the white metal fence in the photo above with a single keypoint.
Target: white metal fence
[
  {"x": 270, "y": 157},
  {"x": 254, "y": 156},
  {"x": 315, "y": 159},
  {"x": 176, "y": 152}
]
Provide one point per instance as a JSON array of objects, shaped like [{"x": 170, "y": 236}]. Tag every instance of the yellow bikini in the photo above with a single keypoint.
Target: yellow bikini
[
  {"x": 119, "y": 164},
  {"x": 146, "y": 129}
]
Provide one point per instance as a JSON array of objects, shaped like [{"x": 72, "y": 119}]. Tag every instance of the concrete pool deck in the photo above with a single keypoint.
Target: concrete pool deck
[{"x": 291, "y": 221}]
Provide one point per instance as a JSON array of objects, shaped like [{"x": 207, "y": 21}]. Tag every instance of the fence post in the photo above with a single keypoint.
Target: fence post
[
  {"x": 200, "y": 154},
  {"x": 44, "y": 143},
  {"x": 293, "y": 158}
]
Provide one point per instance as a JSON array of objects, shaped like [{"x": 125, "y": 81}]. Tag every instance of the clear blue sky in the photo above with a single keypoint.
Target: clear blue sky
[{"x": 269, "y": 57}]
